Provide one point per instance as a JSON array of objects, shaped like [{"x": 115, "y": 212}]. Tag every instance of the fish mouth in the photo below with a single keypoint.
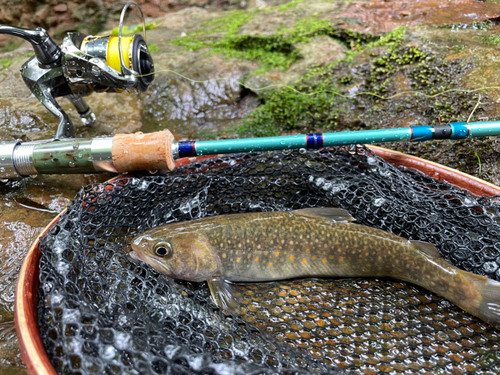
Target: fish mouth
[
  {"x": 156, "y": 264},
  {"x": 134, "y": 255},
  {"x": 137, "y": 255}
]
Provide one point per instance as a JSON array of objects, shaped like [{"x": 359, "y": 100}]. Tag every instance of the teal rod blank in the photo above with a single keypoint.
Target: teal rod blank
[{"x": 454, "y": 131}]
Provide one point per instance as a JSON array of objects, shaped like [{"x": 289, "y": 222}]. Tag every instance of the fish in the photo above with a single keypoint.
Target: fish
[{"x": 311, "y": 242}]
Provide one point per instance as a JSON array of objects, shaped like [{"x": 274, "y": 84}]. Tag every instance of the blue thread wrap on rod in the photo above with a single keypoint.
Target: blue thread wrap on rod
[
  {"x": 421, "y": 133},
  {"x": 187, "y": 149},
  {"x": 315, "y": 141},
  {"x": 459, "y": 130}
]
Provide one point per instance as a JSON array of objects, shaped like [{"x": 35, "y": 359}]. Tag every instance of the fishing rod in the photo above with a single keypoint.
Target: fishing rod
[
  {"x": 157, "y": 151},
  {"x": 107, "y": 63}
]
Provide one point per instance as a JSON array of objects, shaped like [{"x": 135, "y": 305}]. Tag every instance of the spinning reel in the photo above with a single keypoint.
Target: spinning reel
[{"x": 83, "y": 65}]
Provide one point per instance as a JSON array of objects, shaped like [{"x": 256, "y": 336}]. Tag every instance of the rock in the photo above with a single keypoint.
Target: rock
[
  {"x": 9, "y": 350},
  {"x": 207, "y": 99},
  {"x": 379, "y": 16},
  {"x": 256, "y": 4},
  {"x": 199, "y": 3},
  {"x": 60, "y": 8},
  {"x": 320, "y": 50},
  {"x": 41, "y": 13}
]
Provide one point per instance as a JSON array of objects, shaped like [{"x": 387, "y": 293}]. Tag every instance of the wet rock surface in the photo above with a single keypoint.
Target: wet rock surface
[
  {"x": 211, "y": 98},
  {"x": 280, "y": 68}
]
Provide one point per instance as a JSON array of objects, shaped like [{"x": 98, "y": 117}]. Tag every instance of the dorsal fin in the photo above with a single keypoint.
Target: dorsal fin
[
  {"x": 325, "y": 213},
  {"x": 427, "y": 248}
]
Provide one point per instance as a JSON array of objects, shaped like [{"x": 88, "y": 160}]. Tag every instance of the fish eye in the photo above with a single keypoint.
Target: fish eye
[{"x": 163, "y": 249}]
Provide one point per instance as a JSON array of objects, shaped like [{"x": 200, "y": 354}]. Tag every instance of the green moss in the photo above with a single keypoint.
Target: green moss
[
  {"x": 314, "y": 102},
  {"x": 390, "y": 63},
  {"x": 135, "y": 29},
  {"x": 491, "y": 40},
  {"x": 153, "y": 48},
  {"x": 319, "y": 100},
  {"x": 10, "y": 46},
  {"x": 391, "y": 40},
  {"x": 289, "y": 109},
  {"x": 277, "y": 51},
  {"x": 309, "y": 28},
  {"x": 288, "y": 6},
  {"x": 5, "y": 63},
  {"x": 272, "y": 52},
  {"x": 229, "y": 23}
]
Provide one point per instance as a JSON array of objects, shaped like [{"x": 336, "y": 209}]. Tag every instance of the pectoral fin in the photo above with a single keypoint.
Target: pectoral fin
[
  {"x": 227, "y": 296},
  {"x": 427, "y": 248},
  {"x": 325, "y": 213}
]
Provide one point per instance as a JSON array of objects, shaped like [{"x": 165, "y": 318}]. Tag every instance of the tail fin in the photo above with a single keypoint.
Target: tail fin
[{"x": 489, "y": 307}]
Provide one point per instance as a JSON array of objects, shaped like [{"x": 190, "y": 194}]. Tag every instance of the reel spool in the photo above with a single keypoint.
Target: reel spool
[
  {"x": 108, "y": 63},
  {"x": 135, "y": 54}
]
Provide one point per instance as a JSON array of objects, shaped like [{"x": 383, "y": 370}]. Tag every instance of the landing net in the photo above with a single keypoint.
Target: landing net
[{"x": 101, "y": 312}]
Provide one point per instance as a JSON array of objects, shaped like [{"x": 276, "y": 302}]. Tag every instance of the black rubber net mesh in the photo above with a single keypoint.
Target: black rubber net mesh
[{"x": 102, "y": 312}]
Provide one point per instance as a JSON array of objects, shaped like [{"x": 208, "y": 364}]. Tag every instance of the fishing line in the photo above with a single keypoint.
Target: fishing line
[
  {"x": 333, "y": 92},
  {"x": 277, "y": 85},
  {"x": 477, "y": 105}
]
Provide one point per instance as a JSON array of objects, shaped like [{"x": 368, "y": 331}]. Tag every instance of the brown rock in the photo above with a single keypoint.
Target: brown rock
[
  {"x": 199, "y": 3},
  {"x": 60, "y": 8},
  {"x": 41, "y": 14},
  {"x": 320, "y": 50},
  {"x": 379, "y": 16}
]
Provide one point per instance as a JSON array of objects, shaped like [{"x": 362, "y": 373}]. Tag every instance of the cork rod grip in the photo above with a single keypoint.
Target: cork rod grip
[{"x": 137, "y": 152}]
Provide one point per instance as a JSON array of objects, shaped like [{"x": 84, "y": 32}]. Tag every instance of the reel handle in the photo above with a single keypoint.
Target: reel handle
[{"x": 47, "y": 52}]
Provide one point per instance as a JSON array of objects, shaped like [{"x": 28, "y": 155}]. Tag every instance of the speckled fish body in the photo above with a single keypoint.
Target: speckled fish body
[{"x": 315, "y": 242}]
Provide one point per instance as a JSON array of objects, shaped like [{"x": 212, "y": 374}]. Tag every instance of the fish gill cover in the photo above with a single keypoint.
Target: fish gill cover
[{"x": 102, "y": 312}]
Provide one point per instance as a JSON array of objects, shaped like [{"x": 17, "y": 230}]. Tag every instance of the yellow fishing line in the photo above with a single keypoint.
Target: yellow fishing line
[
  {"x": 113, "y": 55},
  {"x": 475, "y": 107},
  {"x": 326, "y": 91},
  {"x": 278, "y": 85}
]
